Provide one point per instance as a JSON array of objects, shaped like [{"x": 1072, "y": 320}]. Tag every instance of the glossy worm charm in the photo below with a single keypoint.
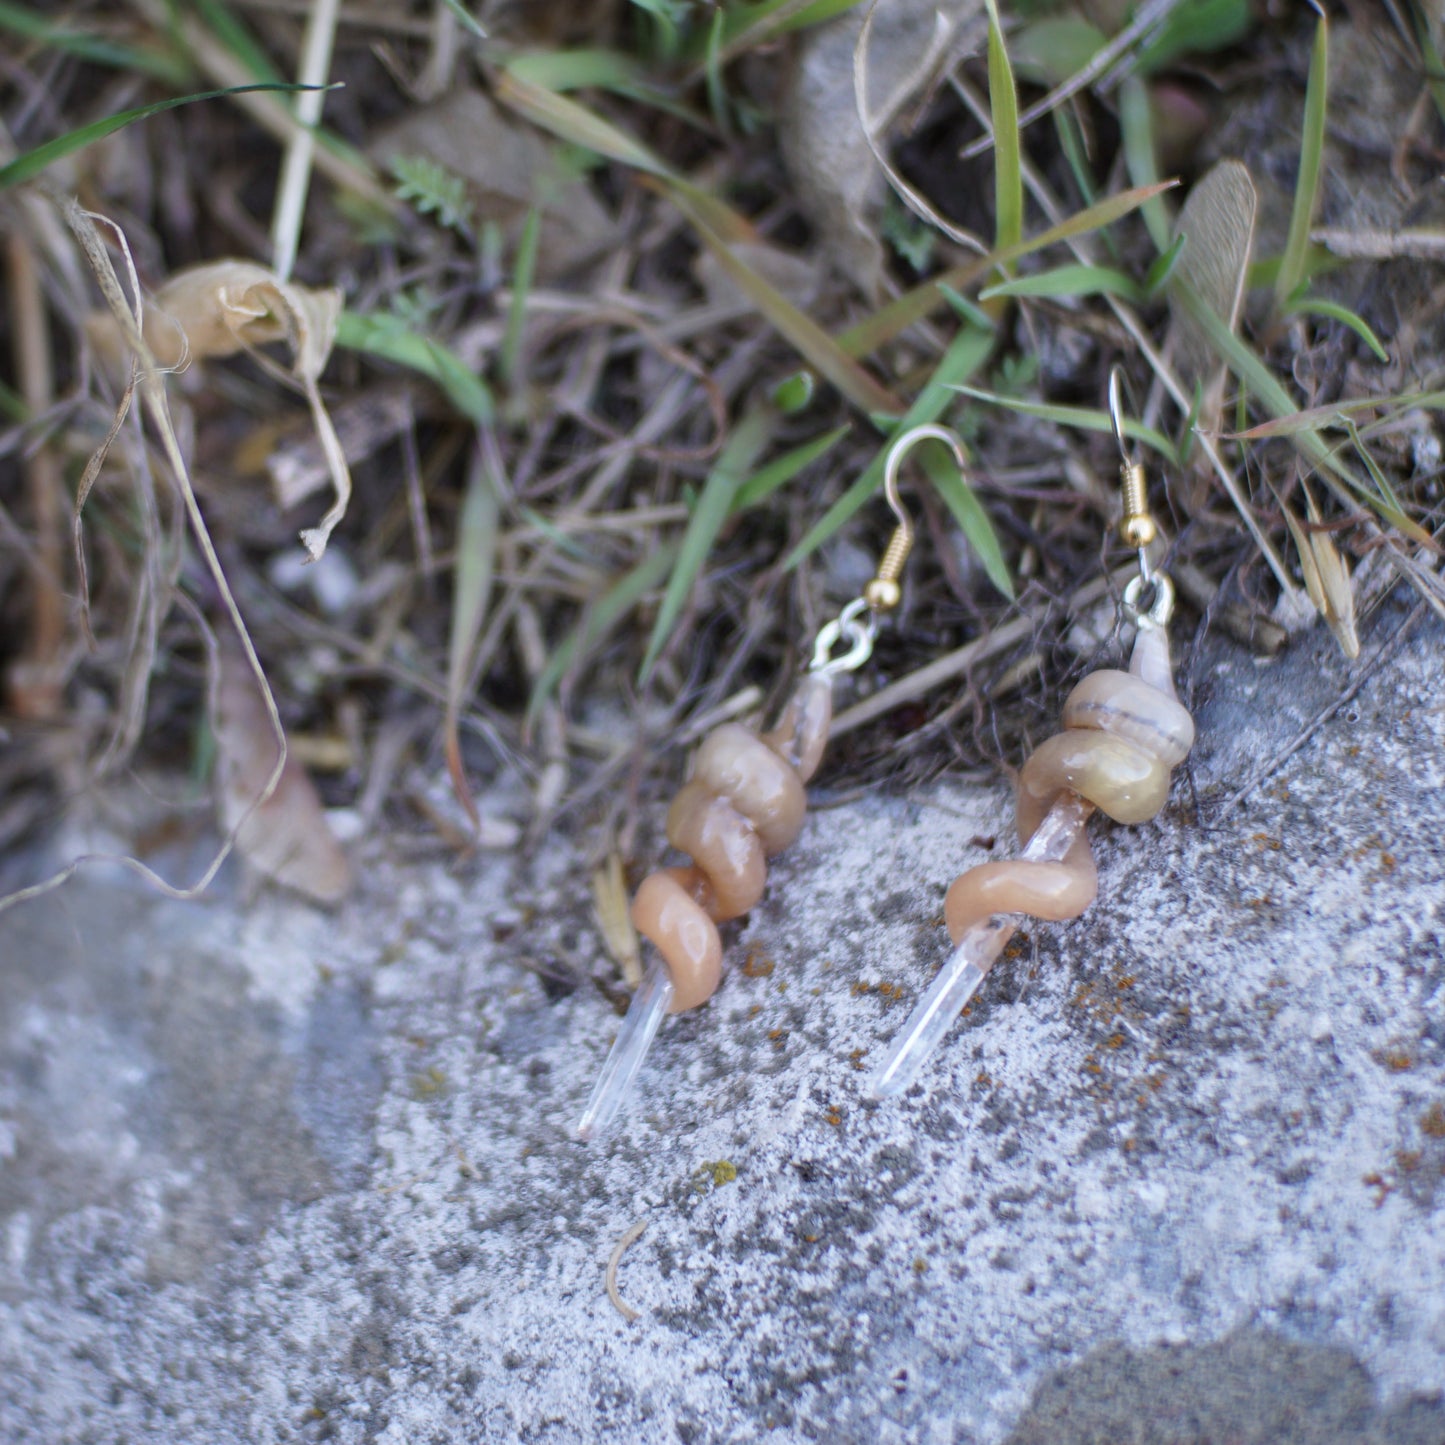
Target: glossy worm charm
[
  {"x": 1123, "y": 734},
  {"x": 743, "y": 803}
]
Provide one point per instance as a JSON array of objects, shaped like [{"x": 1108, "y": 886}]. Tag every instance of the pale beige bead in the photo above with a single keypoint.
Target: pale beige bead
[
  {"x": 1114, "y": 774},
  {"x": 1127, "y": 706},
  {"x": 667, "y": 911},
  {"x": 1053, "y": 891},
  {"x": 739, "y": 766}
]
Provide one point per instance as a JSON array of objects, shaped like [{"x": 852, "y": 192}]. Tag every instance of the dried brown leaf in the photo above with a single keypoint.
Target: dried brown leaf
[{"x": 283, "y": 835}]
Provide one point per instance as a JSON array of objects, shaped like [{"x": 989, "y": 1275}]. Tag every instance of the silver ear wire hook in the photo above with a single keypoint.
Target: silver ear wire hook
[{"x": 883, "y": 593}]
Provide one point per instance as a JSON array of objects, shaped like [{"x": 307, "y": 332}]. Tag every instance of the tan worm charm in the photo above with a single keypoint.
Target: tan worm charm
[
  {"x": 1123, "y": 734},
  {"x": 743, "y": 803}
]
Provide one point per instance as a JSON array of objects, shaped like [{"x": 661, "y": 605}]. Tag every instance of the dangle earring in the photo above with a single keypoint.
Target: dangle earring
[
  {"x": 742, "y": 803},
  {"x": 1123, "y": 734}
]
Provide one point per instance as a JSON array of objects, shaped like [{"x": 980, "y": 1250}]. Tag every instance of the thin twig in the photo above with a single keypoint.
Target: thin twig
[{"x": 623, "y": 1308}]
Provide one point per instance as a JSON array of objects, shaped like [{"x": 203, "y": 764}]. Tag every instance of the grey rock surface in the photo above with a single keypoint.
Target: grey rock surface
[{"x": 1177, "y": 1177}]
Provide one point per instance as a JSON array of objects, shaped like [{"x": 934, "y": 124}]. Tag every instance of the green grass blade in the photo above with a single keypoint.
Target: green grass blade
[
  {"x": 968, "y": 512},
  {"x": 764, "y": 482},
  {"x": 475, "y": 566},
  {"x": 560, "y": 70},
  {"x": 598, "y": 620},
  {"x": 714, "y": 506},
  {"x": 163, "y": 65},
  {"x": 922, "y": 301},
  {"x": 1137, "y": 125},
  {"x": 1163, "y": 268},
  {"x": 1081, "y": 418},
  {"x": 966, "y": 311},
  {"x": 1313, "y": 306},
  {"x": 1392, "y": 507},
  {"x": 1077, "y": 280},
  {"x": 1196, "y": 28},
  {"x": 29, "y": 165},
  {"x": 745, "y": 26},
  {"x": 522, "y": 274},
  {"x": 967, "y": 352},
  {"x": 388, "y": 337},
  {"x": 1292, "y": 269},
  {"x": 1003, "y": 101}
]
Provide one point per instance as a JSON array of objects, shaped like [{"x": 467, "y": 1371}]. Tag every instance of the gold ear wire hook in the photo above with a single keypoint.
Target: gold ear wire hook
[
  {"x": 883, "y": 593},
  {"x": 1136, "y": 526}
]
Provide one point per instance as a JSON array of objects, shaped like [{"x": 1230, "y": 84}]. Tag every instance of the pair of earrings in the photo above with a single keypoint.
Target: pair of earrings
[{"x": 1124, "y": 732}]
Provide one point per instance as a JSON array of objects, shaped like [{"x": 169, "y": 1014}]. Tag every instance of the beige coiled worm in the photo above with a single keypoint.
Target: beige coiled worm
[
  {"x": 743, "y": 802},
  {"x": 1123, "y": 733}
]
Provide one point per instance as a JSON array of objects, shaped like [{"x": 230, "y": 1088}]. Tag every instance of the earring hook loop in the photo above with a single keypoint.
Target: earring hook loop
[
  {"x": 1118, "y": 383},
  {"x": 852, "y": 627}
]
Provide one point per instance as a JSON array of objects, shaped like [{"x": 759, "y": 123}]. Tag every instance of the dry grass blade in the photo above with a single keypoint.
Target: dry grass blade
[
  {"x": 872, "y": 124},
  {"x": 476, "y": 562},
  {"x": 718, "y": 226},
  {"x": 296, "y": 164},
  {"x": 614, "y": 919},
  {"x": 1327, "y": 578},
  {"x": 813, "y": 343},
  {"x": 891, "y": 320},
  {"x": 34, "y": 680}
]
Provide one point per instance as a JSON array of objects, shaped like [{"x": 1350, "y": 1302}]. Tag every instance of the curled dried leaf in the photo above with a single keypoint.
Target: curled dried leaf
[{"x": 223, "y": 307}]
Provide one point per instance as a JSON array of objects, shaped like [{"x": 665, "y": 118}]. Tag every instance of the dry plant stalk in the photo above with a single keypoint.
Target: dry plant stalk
[
  {"x": 36, "y": 679},
  {"x": 253, "y": 312}
]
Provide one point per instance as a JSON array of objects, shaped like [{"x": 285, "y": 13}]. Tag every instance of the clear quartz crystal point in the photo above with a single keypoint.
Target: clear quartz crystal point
[
  {"x": 648, "y": 1008},
  {"x": 960, "y": 976}
]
